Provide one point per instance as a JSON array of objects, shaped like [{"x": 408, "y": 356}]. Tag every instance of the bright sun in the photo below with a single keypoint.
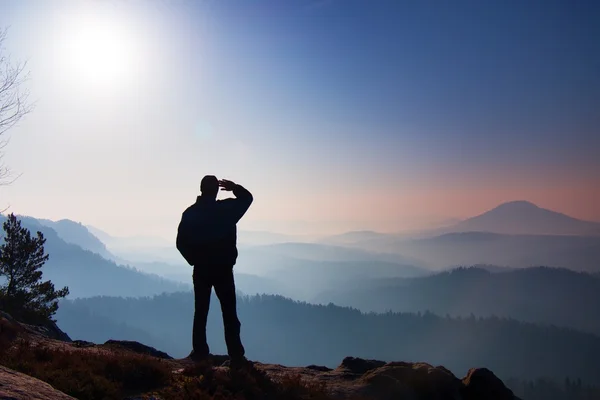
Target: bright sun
[{"x": 99, "y": 48}]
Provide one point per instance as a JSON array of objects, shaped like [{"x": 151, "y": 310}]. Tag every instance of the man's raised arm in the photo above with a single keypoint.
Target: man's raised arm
[{"x": 241, "y": 203}]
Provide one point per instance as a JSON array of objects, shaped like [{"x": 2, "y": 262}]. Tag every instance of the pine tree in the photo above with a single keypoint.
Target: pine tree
[{"x": 23, "y": 294}]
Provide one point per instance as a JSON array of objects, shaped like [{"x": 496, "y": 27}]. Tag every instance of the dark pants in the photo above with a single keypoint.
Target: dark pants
[{"x": 221, "y": 277}]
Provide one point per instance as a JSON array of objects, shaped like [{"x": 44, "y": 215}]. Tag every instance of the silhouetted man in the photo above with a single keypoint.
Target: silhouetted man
[{"x": 206, "y": 238}]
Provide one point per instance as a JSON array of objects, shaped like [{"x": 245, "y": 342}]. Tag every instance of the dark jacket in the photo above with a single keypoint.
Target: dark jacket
[{"x": 207, "y": 233}]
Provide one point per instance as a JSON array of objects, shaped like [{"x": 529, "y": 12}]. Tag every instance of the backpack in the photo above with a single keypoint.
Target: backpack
[
  {"x": 183, "y": 242},
  {"x": 199, "y": 230}
]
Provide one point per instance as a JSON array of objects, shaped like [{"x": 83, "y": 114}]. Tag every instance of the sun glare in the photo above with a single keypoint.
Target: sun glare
[{"x": 99, "y": 49}]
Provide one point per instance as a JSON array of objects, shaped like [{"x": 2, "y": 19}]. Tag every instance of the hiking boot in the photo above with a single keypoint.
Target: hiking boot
[
  {"x": 238, "y": 363},
  {"x": 199, "y": 358}
]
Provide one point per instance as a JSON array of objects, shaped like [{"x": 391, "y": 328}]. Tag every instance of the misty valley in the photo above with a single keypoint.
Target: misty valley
[{"x": 522, "y": 304}]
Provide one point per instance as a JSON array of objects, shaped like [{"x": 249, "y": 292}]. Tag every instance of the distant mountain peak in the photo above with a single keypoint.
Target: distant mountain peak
[
  {"x": 518, "y": 204},
  {"x": 525, "y": 217}
]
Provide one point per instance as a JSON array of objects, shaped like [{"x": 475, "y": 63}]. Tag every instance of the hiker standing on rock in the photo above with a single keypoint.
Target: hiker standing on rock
[{"x": 206, "y": 238}]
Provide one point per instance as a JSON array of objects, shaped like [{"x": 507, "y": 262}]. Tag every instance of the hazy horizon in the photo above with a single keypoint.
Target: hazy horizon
[
  {"x": 335, "y": 118},
  {"x": 431, "y": 224}
]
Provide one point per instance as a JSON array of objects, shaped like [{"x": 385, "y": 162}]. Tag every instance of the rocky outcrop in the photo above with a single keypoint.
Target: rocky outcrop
[
  {"x": 411, "y": 381},
  {"x": 482, "y": 383},
  {"x": 378, "y": 380},
  {"x": 138, "y": 348},
  {"x": 48, "y": 330},
  {"x": 358, "y": 365},
  {"x": 16, "y": 386}
]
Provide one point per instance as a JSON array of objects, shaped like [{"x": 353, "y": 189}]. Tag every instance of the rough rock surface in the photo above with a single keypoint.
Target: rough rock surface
[
  {"x": 139, "y": 348},
  {"x": 49, "y": 330},
  {"x": 377, "y": 380},
  {"x": 16, "y": 386},
  {"x": 482, "y": 383},
  {"x": 358, "y": 365}
]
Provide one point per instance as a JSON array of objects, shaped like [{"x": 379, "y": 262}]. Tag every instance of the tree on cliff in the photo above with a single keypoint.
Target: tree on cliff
[{"x": 23, "y": 294}]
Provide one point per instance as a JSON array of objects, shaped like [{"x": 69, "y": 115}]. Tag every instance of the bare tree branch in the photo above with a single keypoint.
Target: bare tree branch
[{"x": 13, "y": 101}]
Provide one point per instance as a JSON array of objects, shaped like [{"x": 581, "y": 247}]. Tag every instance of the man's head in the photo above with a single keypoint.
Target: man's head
[{"x": 209, "y": 186}]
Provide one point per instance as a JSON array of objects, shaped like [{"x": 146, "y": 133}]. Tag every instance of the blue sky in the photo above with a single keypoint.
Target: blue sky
[
  {"x": 494, "y": 75},
  {"x": 338, "y": 114}
]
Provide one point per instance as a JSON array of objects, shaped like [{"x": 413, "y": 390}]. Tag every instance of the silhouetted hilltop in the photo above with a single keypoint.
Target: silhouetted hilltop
[
  {"x": 514, "y": 234},
  {"x": 89, "y": 274},
  {"x": 523, "y": 217},
  {"x": 119, "y": 369},
  {"x": 540, "y": 294},
  {"x": 76, "y": 233},
  {"x": 578, "y": 253}
]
